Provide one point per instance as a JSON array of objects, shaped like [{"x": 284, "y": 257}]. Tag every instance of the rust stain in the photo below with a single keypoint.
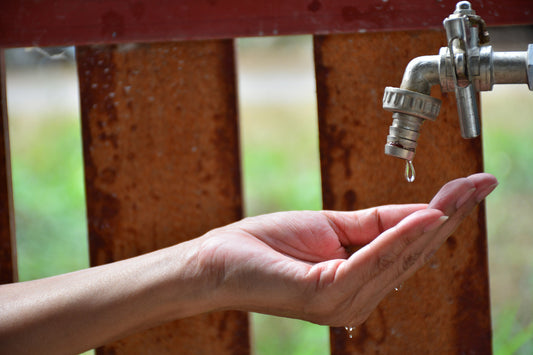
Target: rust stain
[
  {"x": 162, "y": 166},
  {"x": 473, "y": 305},
  {"x": 338, "y": 341},
  {"x": 96, "y": 80},
  {"x": 350, "y": 199},
  {"x": 365, "y": 337},
  {"x": 371, "y": 335},
  {"x": 451, "y": 243}
]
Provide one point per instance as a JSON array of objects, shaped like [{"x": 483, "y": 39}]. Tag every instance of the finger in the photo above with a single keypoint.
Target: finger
[
  {"x": 363, "y": 226},
  {"x": 388, "y": 256},
  {"x": 376, "y": 268},
  {"x": 396, "y": 249},
  {"x": 462, "y": 206},
  {"x": 485, "y": 184},
  {"x": 459, "y": 198},
  {"x": 455, "y": 193},
  {"x": 400, "y": 251}
]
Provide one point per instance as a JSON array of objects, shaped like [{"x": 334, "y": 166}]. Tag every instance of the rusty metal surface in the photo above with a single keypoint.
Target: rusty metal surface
[
  {"x": 67, "y": 22},
  {"x": 445, "y": 307},
  {"x": 8, "y": 260},
  {"x": 162, "y": 164}
]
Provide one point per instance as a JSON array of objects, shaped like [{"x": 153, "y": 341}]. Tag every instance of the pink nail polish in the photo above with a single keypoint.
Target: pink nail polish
[
  {"x": 462, "y": 199},
  {"x": 435, "y": 224},
  {"x": 485, "y": 192}
]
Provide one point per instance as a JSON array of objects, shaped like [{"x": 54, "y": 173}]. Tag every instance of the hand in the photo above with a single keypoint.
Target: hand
[
  {"x": 298, "y": 264},
  {"x": 294, "y": 264}
]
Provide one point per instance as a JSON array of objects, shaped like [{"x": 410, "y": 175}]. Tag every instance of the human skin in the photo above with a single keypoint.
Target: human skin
[{"x": 294, "y": 264}]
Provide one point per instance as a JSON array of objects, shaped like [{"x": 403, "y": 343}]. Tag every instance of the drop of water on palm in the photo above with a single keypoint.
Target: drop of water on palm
[
  {"x": 409, "y": 171},
  {"x": 350, "y": 331}
]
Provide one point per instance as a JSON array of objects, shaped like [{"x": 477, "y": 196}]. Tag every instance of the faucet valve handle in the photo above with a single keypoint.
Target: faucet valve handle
[{"x": 465, "y": 31}]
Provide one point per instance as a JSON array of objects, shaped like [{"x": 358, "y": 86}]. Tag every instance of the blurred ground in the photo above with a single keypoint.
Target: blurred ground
[{"x": 280, "y": 170}]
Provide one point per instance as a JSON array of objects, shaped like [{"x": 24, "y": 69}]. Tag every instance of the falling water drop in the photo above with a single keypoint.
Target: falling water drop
[
  {"x": 350, "y": 331},
  {"x": 398, "y": 288},
  {"x": 409, "y": 171}
]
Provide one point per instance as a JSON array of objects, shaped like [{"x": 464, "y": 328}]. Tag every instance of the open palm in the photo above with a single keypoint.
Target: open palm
[{"x": 302, "y": 264}]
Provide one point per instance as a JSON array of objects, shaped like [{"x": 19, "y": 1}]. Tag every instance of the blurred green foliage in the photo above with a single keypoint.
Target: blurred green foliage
[
  {"x": 49, "y": 196},
  {"x": 281, "y": 169},
  {"x": 275, "y": 335},
  {"x": 512, "y": 337},
  {"x": 507, "y": 127}
]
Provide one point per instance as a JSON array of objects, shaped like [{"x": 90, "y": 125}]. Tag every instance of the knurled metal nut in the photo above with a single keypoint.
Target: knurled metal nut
[{"x": 411, "y": 103}]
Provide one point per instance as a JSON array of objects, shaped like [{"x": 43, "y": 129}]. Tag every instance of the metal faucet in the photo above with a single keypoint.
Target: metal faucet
[{"x": 466, "y": 65}]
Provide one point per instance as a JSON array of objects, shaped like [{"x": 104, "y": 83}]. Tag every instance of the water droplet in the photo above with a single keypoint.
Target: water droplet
[
  {"x": 409, "y": 171},
  {"x": 350, "y": 331},
  {"x": 398, "y": 288}
]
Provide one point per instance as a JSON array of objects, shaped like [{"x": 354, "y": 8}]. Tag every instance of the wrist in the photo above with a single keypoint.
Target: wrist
[{"x": 191, "y": 284}]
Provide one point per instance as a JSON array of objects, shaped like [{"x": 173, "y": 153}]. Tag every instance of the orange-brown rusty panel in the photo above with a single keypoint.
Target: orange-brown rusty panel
[
  {"x": 162, "y": 166},
  {"x": 8, "y": 261},
  {"x": 445, "y": 307}
]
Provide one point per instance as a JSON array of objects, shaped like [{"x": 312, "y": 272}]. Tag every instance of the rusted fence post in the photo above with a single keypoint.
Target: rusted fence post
[
  {"x": 445, "y": 307},
  {"x": 8, "y": 259},
  {"x": 162, "y": 164}
]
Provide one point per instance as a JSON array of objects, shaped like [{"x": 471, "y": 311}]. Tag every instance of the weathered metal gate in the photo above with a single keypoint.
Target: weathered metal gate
[{"x": 160, "y": 138}]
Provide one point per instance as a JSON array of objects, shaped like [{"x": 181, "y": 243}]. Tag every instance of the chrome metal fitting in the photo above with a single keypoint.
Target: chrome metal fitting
[
  {"x": 465, "y": 66},
  {"x": 411, "y": 103},
  {"x": 483, "y": 81},
  {"x": 410, "y": 109}
]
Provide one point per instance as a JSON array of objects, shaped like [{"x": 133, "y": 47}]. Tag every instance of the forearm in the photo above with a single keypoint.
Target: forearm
[{"x": 87, "y": 308}]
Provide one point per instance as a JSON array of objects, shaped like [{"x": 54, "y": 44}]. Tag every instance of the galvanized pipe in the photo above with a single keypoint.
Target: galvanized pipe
[{"x": 510, "y": 67}]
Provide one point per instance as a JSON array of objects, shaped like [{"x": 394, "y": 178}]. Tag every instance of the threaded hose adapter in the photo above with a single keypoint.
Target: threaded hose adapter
[{"x": 410, "y": 109}]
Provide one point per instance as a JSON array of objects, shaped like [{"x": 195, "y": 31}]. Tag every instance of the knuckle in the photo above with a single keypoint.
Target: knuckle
[
  {"x": 386, "y": 261},
  {"x": 410, "y": 260}
]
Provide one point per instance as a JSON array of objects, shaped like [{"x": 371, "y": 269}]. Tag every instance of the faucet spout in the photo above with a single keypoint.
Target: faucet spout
[
  {"x": 421, "y": 74},
  {"x": 411, "y": 105}
]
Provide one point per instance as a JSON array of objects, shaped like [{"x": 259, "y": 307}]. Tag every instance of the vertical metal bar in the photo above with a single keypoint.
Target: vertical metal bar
[
  {"x": 444, "y": 308},
  {"x": 162, "y": 166},
  {"x": 8, "y": 254}
]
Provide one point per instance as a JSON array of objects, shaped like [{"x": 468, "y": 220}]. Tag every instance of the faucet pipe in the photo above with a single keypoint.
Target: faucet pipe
[
  {"x": 421, "y": 74},
  {"x": 514, "y": 67}
]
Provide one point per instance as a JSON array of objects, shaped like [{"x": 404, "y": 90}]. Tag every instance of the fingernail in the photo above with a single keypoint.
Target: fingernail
[
  {"x": 485, "y": 192},
  {"x": 435, "y": 224},
  {"x": 461, "y": 200}
]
